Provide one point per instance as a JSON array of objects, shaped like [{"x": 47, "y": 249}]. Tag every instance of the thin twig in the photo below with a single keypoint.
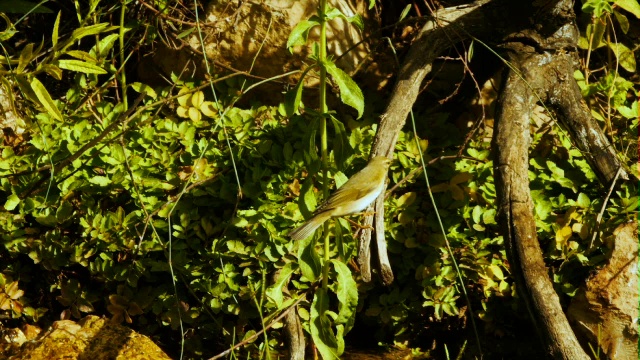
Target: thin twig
[
  {"x": 255, "y": 336},
  {"x": 604, "y": 206},
  {"x": 419, "y": 168}
]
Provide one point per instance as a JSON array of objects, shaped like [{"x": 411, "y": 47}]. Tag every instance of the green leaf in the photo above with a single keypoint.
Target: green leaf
[
  {"x": 308, "y": 259},
  {"x": 9, "y": 31},
  {"x": 64, "y": 212},
  {"x": 320, "y": 326},
  {"x": 100, "y": 180},
  {"x": 596, "y": 7},
  {"x": 476, "y": 214},
  {"x": 340, "y": 179},
  {"x": 405, "y": 12},
  {"x": 357, "y": 21},
  {"x": 293, "y": 97},
  {"x": 583, "y": 201},
  {"x": 489, "y": 217},
  {"x": 12, "y": 201},
  {"x": 82, "y": 55},
  {"x": 45, "y": 99},
  {"x": 311, "y": 153},
  {"x": 56, "y": 25},
  {"x": 334, "y": 13},
  {"x": 54, "y": 71},
  {"x": 300, "y": 33},
  {"x": 629, "y": 112},
  {"x": 275, "y": 291},
  {"x": 185, "y": 33},
  {"x": 350, "y": 93},
  {"x": 631, "y": 6},
  {"x": 622, "y": 20},
  {"x": 347, "y": 293},
  {"x": 23, "y": 7},
  {"x": 144, "y": 88},
  {"x": 104, "y": 46},
  {"x": 307, "y": 200},
  {"x": 593, "y": 37},
  {"x": 79, "y": 33},
  {"x": 26, "y": 55},
  {"x": 341, "y": 148},
  {"x": 624, "y": 55},
  {"x": 81, "y": 66}
]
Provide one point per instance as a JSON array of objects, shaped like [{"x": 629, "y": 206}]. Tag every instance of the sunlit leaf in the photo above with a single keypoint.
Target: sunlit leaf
[
  {"x": 79, "y": 33},
  {"x": 321, "y": 328},
  {"x": 275, "y": 291},
  {"x": 56, "y": 26},
  {"x": 81, "y": 66},
  {"x": 25, "y": 57},
  {"x": 405, "y": 12},
  {"x": 143, "y": 88},
  {"x": 45, "y": 99},
  {"x": 300, "y": 33},
  {"x": 631, "y": 6},
  {"x": 350, "y": 93},
  {"x": 12, "y": 201},
  {"x": 347, "y": 294},
  {"x": 308, "y": 259},
  {"x": 624, "y": 55}
]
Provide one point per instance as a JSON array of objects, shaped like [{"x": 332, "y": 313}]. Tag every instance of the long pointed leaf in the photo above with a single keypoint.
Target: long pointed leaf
[
  {"x": 321, "y": 330},
  {"x": 347, "y": 293},
  {"x": 300, "y": 33},
  {"x": 350, "y": 93},
  {"x": 309, "y": 260},
  {"x": 81, "y": 66},
  {"x": 341, "y": 146},
  {"x": 56, "y": 25},
  {"x": 45, "y": 99},
  {"x": 79, "y": 33},
  {"x": 275, "y": 291}
]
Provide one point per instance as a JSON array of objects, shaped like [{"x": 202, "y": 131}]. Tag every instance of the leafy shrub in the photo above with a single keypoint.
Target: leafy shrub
[{"x": 173, "y": 213}]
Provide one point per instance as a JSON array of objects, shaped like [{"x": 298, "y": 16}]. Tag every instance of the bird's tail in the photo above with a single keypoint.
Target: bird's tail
[{"x": 305, "y": 230}]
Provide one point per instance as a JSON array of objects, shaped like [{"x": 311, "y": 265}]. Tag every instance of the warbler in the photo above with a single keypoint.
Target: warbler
[{"x": 352, "y": 197}]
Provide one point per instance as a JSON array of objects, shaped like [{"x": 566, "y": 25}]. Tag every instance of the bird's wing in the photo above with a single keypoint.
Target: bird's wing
[{"x": 345, "y": 192}]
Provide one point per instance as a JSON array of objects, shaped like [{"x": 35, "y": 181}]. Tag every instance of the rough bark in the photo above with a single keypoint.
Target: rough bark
[
  {"x": 516, "y": 218},
  {"x": 434, "y": 38},
  {"x": 541, "y": 50},
  {"x": 541, "y": 71},
  {"x": 295, "y": 335},
  {"x": 605, "y": 310}
]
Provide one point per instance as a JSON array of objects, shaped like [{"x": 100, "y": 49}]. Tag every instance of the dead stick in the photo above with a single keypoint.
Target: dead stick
[{"x": 255, "y": 336}]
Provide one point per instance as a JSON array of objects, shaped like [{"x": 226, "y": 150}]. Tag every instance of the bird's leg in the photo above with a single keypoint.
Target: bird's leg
[
  {"x": 364, "y": 213},
  {"x": 360, "y": 227}
]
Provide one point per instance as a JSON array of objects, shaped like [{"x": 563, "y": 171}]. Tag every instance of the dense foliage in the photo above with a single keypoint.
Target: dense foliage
[{"x": 170, "y": 211}]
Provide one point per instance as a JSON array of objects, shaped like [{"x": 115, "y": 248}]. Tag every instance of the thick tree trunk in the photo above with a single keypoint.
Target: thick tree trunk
[
  {"x": 542, "y": 51},
  {"x": 511, "y": 142},
  {"x": 541, "y": 71}
]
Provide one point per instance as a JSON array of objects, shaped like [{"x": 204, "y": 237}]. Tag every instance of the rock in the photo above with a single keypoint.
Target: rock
[
  {"x": 92, "y": 338},
  {"x": 252, "y": 38}
]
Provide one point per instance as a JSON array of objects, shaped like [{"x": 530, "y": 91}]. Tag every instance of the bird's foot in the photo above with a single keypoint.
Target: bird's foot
[{"x": 360, "y": 227}]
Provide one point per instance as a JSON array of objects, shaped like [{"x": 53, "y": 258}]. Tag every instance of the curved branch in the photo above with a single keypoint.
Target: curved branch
[
  {"x": 511, "y": 142},
  {"x": 434, "y": 38}
]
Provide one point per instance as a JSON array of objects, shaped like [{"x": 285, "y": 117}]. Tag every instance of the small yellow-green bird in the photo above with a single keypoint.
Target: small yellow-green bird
[{"x": 352, "y": 197}]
